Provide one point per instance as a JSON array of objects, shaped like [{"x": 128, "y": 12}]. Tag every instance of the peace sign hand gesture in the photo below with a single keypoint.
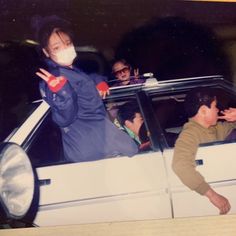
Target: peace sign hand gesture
[{"x": 54, "y": 83}]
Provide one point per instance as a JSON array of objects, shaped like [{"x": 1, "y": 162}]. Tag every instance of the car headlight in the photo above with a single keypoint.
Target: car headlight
[{"x": 16, "y": 182}]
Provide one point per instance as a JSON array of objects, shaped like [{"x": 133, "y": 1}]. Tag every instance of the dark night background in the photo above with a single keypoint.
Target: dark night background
[
  {"x": 103, "y": 22},
  {"x": 132, "y": 29},
  {"x": 172, "y": 39}
]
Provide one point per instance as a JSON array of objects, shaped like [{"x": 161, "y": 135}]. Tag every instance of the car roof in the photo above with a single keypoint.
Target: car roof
[{"x": 163, "y": 86}]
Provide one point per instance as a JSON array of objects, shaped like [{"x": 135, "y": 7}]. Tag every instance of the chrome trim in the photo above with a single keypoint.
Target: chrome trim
[
  {"x": 26, "y": 128},
  {"x": 100, "y": 199}
]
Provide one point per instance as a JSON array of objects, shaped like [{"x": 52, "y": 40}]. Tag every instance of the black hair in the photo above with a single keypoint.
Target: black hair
[
  {"x": 127, "y": 111},
  {"x": 122, "y": 60},
  {"x": 44, "y": 27},
  {"x": 197, "y": 97}
]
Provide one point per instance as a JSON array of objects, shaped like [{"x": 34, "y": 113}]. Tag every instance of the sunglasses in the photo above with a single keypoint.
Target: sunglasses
[{"x": 119, "y": 72}]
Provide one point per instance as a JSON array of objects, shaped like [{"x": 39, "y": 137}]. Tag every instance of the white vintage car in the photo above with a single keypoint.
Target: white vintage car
[{"x": 53, "y": 192}]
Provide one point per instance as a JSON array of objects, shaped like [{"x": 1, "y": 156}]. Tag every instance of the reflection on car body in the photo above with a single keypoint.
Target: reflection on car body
[{"x": 123, "y": 188}]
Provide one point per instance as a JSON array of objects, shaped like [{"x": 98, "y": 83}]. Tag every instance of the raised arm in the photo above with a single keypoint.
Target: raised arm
[
  {"x": 60, "y": 96},
  {"x": 228, "y": 114}
]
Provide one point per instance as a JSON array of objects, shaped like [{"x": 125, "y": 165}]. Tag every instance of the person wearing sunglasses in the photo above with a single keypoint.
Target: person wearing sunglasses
[{"x": 121, "y": 70}]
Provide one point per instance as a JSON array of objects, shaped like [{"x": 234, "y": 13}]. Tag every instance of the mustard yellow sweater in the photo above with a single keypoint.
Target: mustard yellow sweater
[{"x": 186, "y": 146}]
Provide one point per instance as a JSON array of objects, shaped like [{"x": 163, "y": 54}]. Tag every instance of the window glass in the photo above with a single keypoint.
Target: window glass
[
  {"x": 46, "y": 147},
  {"x": 13, "y": 113},
  {"x": 170, "y": 112},
  {"x": 127, "y": 108}
]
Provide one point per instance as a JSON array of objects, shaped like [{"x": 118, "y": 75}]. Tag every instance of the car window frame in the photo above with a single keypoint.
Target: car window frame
[{"x": 217, "y": 82}]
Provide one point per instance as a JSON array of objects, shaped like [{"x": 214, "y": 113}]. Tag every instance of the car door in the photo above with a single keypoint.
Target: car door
[
  {"x": 216, "y": 163},
  {"x": 113, "y": 189}
]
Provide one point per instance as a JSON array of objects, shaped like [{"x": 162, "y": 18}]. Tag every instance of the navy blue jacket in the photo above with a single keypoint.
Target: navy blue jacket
[{"x": 77, "y": 108}]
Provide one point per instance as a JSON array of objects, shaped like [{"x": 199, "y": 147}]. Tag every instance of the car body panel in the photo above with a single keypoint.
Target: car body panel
[
  {"x": 218, "y": 170},
  {"x": 122, "y": 184},
  {"x": 29, "y": 124},
  {"x": 127, "y": 188}
]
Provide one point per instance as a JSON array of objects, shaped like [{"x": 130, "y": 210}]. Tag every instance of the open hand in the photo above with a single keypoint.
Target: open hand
[{"x": 228, "y": 114}]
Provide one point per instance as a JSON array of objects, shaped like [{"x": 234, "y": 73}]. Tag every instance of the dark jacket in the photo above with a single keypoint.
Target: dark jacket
[{"x": 77, "y": 108}]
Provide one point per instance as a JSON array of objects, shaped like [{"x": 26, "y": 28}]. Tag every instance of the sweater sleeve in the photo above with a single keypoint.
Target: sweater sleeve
[
  {"x": 224, "y": 129},
  {"x": 184, "y": 165},
  {"x": 63, "y": 103}
]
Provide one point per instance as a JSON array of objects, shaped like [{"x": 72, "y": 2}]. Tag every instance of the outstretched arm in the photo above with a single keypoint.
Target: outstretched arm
[{"x": 184, "y": 166}]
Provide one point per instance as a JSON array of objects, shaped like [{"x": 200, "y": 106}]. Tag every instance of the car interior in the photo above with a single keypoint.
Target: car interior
[
  {"x": 170, "y": 112},
  {"x": 46, "y": 147}
]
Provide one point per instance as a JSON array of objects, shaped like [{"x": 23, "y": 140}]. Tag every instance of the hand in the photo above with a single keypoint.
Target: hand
[
  {"x": 103, "y": 89},
  {"x": 145, "y": 146},
  {"x": 228, "y": 114},
  {"x": 136, "y": 73},
  {"x": 103, "y": 94},
  {"x": 54, "y": 83},
  {"x": 219, "y": 201}
]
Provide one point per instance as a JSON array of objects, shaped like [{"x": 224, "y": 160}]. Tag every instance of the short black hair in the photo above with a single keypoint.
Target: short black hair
[
  {"x": 197, "y": 97},
  {"x": 127, "y": 111},
  {"x": 47, "y": 25},
  {"x": 122, "y": 60}
]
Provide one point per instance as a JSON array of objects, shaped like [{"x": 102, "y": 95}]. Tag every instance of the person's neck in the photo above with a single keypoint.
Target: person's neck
[
  {"x": 133, "y": 130},
  {"x": 200, "y": 121}
]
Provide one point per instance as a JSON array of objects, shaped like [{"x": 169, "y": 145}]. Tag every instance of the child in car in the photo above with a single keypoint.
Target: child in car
[
  {"x": 131, "y": 120},
  {"x": 203, "y": 126},
  {"x": 122, "y": 70}
]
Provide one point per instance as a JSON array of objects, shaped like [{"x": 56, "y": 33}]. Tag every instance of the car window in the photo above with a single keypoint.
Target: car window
[
  {"x": 46, "y": 147},
  {"x": 170, "y": 112},
  {"x": 113, "y": 106},
  {"x": 13, "y": 114}
]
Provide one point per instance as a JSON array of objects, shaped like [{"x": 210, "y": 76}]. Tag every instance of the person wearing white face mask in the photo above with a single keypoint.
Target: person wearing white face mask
[
  {"x": 65, "y": 56},
  {"x": 74, "y": 98}
]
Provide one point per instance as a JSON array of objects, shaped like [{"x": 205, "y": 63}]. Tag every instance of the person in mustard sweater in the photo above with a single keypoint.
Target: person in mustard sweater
[{"x": 203, "y": 127}]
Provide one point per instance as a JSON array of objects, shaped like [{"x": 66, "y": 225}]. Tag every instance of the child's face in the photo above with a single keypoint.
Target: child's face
[
  {"x": 60, "y": 49},
  {"x": 211, "y": 114},
  {"x": 121, "y": 72}
]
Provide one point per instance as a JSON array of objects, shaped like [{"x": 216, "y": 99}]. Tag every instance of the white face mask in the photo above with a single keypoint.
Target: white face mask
[{"x": 66, "y": 56}]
